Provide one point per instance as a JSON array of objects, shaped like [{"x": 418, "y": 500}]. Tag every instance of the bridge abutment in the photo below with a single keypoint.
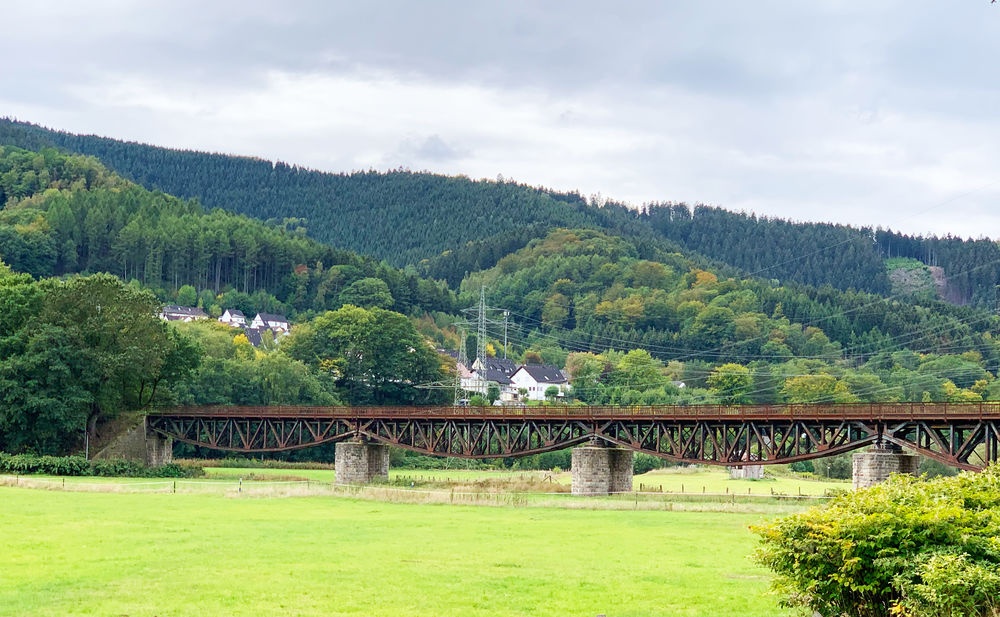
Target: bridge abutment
[
  {"x": 360, "y": 462},
  {"x": 876, "y": 465},
  {"x": 601, "y": 470},
  {"x": 141, "y": 445}
]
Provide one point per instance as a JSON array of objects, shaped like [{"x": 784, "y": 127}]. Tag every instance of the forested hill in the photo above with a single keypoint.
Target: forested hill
[
  {"x": 585, "y": 290},
  {"x": 64, "y": 214},
  {"x": 451, "y": 226}
]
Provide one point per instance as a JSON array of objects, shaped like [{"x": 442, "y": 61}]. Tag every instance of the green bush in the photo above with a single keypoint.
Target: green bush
[
  {"x": 838, "y": 467},
  {"x": 546, "y": 461},
  {"x": 642, "y": 463},
  {"x": 117, "y": 468},
  {"x": 949, "y": 584},
  {"x": 48, "y": 465},
  {"x": 803, "y": 467},
  {"x": 26, "y": 464},
  {"x": 174, "y": 470},
  {"x": 910, "y": 547}
]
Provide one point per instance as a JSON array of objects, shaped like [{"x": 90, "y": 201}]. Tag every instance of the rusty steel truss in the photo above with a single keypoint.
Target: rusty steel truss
[{"x": 966, "y": 435}]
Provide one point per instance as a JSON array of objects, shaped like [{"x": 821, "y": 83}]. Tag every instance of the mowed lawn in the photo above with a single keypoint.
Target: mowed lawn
[{"x": 128, "y": 554}]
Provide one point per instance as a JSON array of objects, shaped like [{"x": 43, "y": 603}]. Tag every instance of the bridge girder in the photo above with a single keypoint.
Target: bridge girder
[{"x": 964, "y": 436}]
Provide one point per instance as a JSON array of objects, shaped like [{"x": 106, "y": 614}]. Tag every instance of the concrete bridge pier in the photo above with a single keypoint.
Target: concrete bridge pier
[
  {"x": 601, "y": 470},
  {"x": 877, "y": 464},
  {"x": 359, "y": 462},
  {"x": 159, "y": 449},
  {"x": 139, "y": 444}
]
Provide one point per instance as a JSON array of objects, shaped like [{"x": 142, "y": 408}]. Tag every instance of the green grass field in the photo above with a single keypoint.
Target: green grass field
[{"x": 134, "y": 554}]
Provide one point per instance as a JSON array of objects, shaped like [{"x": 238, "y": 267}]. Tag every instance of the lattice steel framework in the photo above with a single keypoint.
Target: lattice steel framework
[{"x": 964, "y": 435}]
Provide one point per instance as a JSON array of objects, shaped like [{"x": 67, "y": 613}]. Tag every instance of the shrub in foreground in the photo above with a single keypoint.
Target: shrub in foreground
[
  {"x": 909, "y": 547},
  {"x": 26, "y": 464}
]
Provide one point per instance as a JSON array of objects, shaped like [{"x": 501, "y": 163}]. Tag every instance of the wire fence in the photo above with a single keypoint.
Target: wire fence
[{"x": 637, "y": 499}]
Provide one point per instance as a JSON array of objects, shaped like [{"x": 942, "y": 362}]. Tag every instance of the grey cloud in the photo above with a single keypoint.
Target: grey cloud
[
  {"x": 768, "y": 103},
  {"x": 428, "y": 150}
]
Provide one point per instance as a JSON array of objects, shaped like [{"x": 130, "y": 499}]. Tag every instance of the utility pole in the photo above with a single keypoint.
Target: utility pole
[
  {"x": 506, "y": 314},
  {"x": 462, "y": 360},
  {"x": 481, "y": 329},
  {"x": 480, "y": 322}
]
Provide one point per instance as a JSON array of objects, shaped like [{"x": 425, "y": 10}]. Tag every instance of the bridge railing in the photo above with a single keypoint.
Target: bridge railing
[{"x": 844, "y": 411}]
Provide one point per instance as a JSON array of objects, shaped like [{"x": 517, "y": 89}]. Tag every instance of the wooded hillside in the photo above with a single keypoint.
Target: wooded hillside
[{"x": 450, "y": 226}]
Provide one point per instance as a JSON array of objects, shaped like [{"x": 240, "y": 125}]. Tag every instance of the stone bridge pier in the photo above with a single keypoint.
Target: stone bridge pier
[
  {"x": 877, "y": 464},
  {"x": 139, "y": 444},
  {"x": 359, "y": 462},
  {"x": 601, "y": 470}
]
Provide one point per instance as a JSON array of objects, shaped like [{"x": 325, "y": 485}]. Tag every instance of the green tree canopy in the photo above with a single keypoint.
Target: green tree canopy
[
  {"x": 367, "y": 293},
  {"x": 733, "y": 382},
  {"x": 374, "y": 355},
  {"x": 816, "y": 389}
]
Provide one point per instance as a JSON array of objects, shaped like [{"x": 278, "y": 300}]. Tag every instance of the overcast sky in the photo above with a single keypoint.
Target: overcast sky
[{"x": 872, "y": 113}]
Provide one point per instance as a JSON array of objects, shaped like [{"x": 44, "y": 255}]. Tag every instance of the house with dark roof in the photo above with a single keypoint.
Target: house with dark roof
[
  {"x": 173, "y": 312},
  {"x": 277, "y": 323},
  {"x": 256, "y": 336},
  {"x": 486, "y": 371},
  {"x": 535, "y": 379},
  {"x": 497, "y": 370},
  {"x": 234, "y": 318}
]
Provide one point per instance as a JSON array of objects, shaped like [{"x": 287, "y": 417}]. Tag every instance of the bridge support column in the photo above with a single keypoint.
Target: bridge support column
[
  {"x": 159, "y": 449},
  {"x": 876, "y": 465},
  {"x": 137, "y": 443},
  {"x": 600, "y": 470},
  {"x": 747, "y": 472},
  {"x": 360, "y": 462}
]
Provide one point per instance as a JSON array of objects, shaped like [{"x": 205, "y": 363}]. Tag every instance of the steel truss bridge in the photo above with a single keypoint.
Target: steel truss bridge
[{"x": 966, "y": 435}]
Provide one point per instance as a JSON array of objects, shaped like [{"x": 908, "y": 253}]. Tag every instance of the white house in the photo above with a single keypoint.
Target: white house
[
  {"x": 537, "y": 378},
  {"x": 172, "y": 312},
  {"x": 487, "y": 371},
  {"x": 276, "y": 323},
  {"x": 234, "y": 318}
]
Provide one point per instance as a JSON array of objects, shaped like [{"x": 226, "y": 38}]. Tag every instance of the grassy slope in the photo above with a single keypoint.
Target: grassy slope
[{"x": 187, "y": 554}]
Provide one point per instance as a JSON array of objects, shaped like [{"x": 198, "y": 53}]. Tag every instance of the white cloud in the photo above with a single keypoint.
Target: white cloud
[{"x": 869, "y": 114}]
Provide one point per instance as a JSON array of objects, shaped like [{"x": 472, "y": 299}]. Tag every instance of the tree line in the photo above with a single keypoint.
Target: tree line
[
  {"x": 67, "y": 214},
  {"x": 80, "y": 351},
  {"x": 448, "y": 227}
]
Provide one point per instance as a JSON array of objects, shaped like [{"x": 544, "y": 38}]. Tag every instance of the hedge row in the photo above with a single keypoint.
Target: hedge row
[{"x": 25, "y": 464}]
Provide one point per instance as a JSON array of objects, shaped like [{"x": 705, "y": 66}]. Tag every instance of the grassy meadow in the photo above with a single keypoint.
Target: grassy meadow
[
  {"x": 678, "y": 480},
  {"x": 165, "y": 555}
]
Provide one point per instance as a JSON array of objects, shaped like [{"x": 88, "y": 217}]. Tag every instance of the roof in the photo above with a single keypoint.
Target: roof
[
  {"x": 544, "y": 373},
  {"x": 172, "y": 312},
  {"x": 269, "y": 317},
  {"x": 500, "y": 365},
  {"x": 235, "y": 313},
  {"x": 255, "y": 335},
  {"x": 500, "y": 377}
]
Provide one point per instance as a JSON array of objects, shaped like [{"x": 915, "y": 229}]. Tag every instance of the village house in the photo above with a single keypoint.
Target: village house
[
  {"x": 487, "y": 371},
  {"x": 276, "y": 323},
  {"x": 172, "y": 312},
  {"x": 234, "y": 318},
  {"x": 535, "y": 379}
]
